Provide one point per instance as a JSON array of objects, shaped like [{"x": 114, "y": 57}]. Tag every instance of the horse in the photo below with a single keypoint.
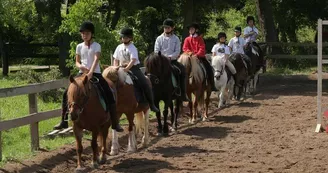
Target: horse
[
  {"x": 86, "y": 112},
  {"x": 196, "y": 85},
  {"x": 255, "y": 54},
  {"x": 241, "y": 75},
  {"x": 222, "y": 80},
  {"x": 127, "y": 103},
  {"x": 160, "y": 72}
]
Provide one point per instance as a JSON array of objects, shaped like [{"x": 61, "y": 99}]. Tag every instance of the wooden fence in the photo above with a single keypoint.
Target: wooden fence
[{"x": 34, "y": 116}]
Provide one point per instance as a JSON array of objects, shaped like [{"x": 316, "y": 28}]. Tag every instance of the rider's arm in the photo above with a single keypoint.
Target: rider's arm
[
  {"x": 95, "y": 62},
  {"x": 115, "y": 57},
  {"x": 131, "y": 63},
  {"x": 186, "y": 45},
  {"x": 133, "y": 58},
  {"x": 230, "y": 44},
  {"x": 157, "y": 47},
  {"x": 177, "y": 49},
  {"x": 201, "y": 50},
  {"x": 214, "y": 50}
]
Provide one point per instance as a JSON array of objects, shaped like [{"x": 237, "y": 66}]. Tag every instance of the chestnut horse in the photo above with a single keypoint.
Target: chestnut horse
[
  {"x": 87, "y": 113},
  {"x": 196, "y": 85},
  {"x": 127, "y": 104}
]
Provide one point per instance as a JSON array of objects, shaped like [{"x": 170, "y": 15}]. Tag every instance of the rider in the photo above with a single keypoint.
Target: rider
[
  {"x": 87, "y": 60},
  {"x": 250, "y": 34},
  {"x": 195, "y": 45},
  {"x": 221, "y": 49},
  {"x": 237, "y": 45},
  {"x": 170, "y": 46},
  {"x": 126, "y": 54}
]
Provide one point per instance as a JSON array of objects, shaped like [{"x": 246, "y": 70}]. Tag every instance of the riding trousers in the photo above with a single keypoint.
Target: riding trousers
[{"x": 209, "y": 69}]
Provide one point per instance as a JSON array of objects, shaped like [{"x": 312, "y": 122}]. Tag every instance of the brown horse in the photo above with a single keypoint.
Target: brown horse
[
  {"x": 127, "y": 104},
  {"x": 196, "y": 85},
  {"x": 87, "y": 113}
]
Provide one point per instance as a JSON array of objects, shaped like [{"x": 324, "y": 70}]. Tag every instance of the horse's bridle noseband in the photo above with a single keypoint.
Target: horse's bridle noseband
[
  {"x": 156, "y": 81},
  {"x": 219, "y": 71}
]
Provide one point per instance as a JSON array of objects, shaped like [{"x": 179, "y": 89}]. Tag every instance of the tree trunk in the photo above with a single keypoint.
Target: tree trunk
[
  {"x": 188, "y": 13},
  {"x": 108, "y": 13},
  {"x": 69, "y": 3},
  {"x": 117, "y": 14},
  {"x": 265, "y": 14}
]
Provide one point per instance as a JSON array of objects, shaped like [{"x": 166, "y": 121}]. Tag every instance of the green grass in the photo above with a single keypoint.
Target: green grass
[
  {"x": 288, "y": 71},
  {"x": 16, "y": 143}
]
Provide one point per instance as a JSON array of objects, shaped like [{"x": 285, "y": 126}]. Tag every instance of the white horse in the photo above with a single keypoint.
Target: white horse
[{"x": 221, "y": 80}]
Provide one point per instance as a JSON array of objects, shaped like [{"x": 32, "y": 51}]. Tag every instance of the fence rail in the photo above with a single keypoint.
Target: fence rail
[{"x": 34, "y": 116}]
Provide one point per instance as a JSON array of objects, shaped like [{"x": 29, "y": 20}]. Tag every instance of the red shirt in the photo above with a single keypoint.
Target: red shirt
[{"x": 196, "y": 45}]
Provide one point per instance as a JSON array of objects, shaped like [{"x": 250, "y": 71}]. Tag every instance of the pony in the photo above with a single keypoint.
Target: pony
[
  {"x": 160, "y": 72},
  {"x": 222, "y": 80},
  {"x": 255, "y": 54},
  {"x": 241, "y": 75},
  {"x": 196, "y": 85},
  {"x": 127, "y": 103},
  {"x": 86, "y": 112}
]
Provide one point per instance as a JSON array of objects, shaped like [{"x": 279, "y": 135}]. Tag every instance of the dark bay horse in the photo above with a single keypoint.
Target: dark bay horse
[
  {"x": 241, "y": 75},
  {"x": 127, "y": 104},
  {"x": 159, "y": 71},
  {"x": 196, "y": 85},
  {"x": 254, "y": 52},
  {"x": 87, "y": 113}
]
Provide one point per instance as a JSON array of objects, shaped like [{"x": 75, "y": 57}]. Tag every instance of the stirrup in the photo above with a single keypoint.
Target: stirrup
[{"x": 177, "y": 91}]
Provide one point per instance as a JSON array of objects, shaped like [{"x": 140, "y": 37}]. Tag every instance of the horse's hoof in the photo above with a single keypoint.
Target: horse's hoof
[
  {"x": 159, "y": 134},
  {"x": 165, "y": 134},
  {"x": 113, "y": 152},
  {"x": 79, "y": 170},
  {"x": 131, "y": 150},
  {"x": 172, "y": 129},
  {"x": 144, "y": 144},
  {"x": 95, "y": 165},
  {"x": 102, "y": 160}
]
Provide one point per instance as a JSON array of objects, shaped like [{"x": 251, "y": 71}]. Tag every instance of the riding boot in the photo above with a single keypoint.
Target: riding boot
[
  {"x": 64, "y": 120},
  {"x": 183, "y": 89},
  {"x": 114, "y": 118},
  {"x": 150, "y": 99}
]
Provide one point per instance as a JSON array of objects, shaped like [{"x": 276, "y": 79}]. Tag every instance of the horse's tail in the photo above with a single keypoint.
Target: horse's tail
[{"x": 201, "y": 99}]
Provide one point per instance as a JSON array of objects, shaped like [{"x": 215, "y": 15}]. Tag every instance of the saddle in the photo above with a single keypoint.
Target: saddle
[
  {"x": 138, "y": 91},
  {"x": 100, "y": 93}
]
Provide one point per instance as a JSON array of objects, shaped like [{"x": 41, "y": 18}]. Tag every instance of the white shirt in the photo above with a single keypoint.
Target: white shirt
[
  {"x": 247, "y": 30},
  {"x": 169, "y": 46},
  {"x": 125, "y": 53},
  {"x": 237, "y": 44},
  {"x": 220, "y": 49},
  {"x": 88, "y": 55}
]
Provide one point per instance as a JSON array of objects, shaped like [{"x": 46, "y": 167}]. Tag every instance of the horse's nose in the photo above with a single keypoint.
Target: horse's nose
[{"x": 74, "y": 116}]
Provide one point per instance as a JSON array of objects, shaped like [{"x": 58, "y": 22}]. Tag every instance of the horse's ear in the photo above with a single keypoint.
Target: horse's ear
[
  {"x": 85, "y": 80},
  {"x": 71, "y": 79}
]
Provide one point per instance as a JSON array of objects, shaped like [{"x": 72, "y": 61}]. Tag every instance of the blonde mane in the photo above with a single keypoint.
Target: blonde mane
[
  {"x": 117, "y": 74},
  {"x": 196, "y": 72}
]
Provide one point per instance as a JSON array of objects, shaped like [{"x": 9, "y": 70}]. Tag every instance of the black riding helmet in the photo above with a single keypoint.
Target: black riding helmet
[
  {"x": 168, "y": 22},
  {"x": 237, "y": 29},
  {"x": 126, "y": 32},
  {"x": 250, "y": 18},
  {"x": 87, "y": 26},
  {"x": 193, "y": 25},
  {"x": 222, "y": 34}
]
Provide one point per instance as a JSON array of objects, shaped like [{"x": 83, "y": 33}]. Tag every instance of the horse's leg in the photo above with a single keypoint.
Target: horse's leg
[
  {"x": 145, "y": 138},
  {"x": 132, "y": 145},
  {"x": 222, "y": 96},
  {"x": 115, "y": 145},
  {"x": 79, "y": 148},
  {"x": 104, "y": 134},
  {"x": 172, "y": 111},
  {"x": 165, "y": 114},
  {"x": 190, "y": 108},
  {"x": 230, "y": 90},
  {"x": 256, "y": 77},
  {"x": 178, "y": 104},
  {"x": 94, "y": 146},
  {"x": 159, "y": 121},
  {"x": 207, "y": 101},
  {"x": 195, "y": 106}
]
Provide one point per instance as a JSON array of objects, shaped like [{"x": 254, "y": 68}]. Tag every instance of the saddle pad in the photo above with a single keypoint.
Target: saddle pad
[{"x": 101, "y": 96}]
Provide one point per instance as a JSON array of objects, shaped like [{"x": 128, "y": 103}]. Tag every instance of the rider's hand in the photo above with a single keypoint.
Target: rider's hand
[
  {"x": 89, "y": 75},
  {"x": 84, "y": 69},
  {"x": 126, "y": 70}
]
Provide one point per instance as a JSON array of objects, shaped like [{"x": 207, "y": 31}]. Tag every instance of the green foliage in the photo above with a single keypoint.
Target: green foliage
[{"x": 87, "y": 10}]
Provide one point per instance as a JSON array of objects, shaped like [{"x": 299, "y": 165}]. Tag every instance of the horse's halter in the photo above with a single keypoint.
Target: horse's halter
[
  {"x": 220, "y": 73},
  {"x": 85, "y": 98}
]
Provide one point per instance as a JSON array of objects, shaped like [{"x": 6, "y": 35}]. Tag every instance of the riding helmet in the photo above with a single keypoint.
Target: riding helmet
[
  {"x": 126, "y": 32},
  {"x": 250, "y": 18},
  {"x": 168, "y": 22},
  {"x": 222, "y": 34},
  {"x": 237, "y": 29},
  {"x": 193, "y": 25},
  {"x": 87, "y": 26}
]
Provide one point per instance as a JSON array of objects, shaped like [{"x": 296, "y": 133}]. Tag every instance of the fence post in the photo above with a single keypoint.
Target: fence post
[
  {"x": 0, "y": 141},
  {"x": 5, "y": 63},
  {"x": 34, "y": 127}
]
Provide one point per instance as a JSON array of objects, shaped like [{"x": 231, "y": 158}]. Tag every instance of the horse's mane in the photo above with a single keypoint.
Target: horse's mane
[
  {"x": 75, "y": 88},
  {"x": 217, "y": 61},
  {"x": 158, "y": 65},
  {"x": 196, "y": 71}
]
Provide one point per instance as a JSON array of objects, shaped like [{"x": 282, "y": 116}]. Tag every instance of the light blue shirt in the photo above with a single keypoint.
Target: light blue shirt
[{"x": 168, "y": 46}]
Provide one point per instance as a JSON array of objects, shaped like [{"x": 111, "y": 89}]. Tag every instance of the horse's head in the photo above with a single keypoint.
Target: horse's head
[
  {"x": 219, "y": 66},
  {"x": 78, "y": 95},
  {"x": 158, "y": 68}
]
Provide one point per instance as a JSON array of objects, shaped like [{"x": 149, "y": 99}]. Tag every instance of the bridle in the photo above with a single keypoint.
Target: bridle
[{"x": 220, "y": 73}]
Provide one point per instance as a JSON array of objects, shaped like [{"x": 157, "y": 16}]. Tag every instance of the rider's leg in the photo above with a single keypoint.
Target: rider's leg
[
  {"x": 182, "y": 80},
  {"x": 145, "y": 86},
  {"x": 209, "y": 71},
  {"x": 111, "y": 103},
  {"x": 249, "y": 64},
  {"x": 63, "y": 123},
  {"x": 232, "y": 69}
]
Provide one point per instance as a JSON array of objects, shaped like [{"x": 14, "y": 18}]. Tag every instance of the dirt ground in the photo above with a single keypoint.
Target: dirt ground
[{"x": 272, "y": 132}]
